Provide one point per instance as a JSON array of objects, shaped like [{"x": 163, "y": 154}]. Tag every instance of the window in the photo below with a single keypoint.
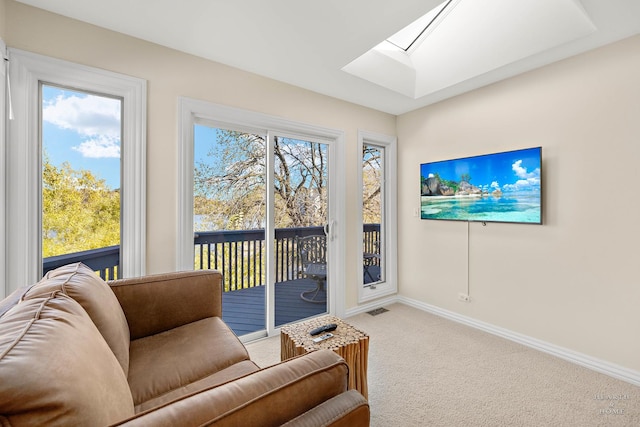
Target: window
[
  {"x": 80, "y": 141},
  {"x": 409, "y": 35},
  {"x": 373, "y": 198},
  {"x": 30, "y": 74},
  {"x": 377, "y": 177}
]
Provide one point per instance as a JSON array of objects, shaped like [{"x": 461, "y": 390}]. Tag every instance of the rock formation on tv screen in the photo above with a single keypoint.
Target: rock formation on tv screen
[{"x": 433, "y": 186}]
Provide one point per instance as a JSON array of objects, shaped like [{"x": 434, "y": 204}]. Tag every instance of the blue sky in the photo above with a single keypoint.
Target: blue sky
[
  {"x": 83, "y": 130},
  {"x": 509, "y": 171},
  {"x": 204, "y": 138}
]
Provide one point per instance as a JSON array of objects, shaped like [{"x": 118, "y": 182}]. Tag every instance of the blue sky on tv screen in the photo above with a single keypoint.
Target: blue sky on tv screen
[{"x": 509, "y": 171}]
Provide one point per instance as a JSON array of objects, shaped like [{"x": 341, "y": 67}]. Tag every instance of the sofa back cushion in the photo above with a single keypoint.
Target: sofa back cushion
[
  {"x": 56, "y": 368},
  {"x": 94, "y": 295}
]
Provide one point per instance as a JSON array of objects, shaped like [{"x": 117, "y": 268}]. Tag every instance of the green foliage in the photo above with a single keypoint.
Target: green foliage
[
  {"x": 451, "y": 184},
  {"x": 79, "y": 211},
  {"x": 245, "y": 269}
]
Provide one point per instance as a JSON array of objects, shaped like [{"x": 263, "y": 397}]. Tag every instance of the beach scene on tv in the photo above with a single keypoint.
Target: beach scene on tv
[{"x": 500, "y": 187}]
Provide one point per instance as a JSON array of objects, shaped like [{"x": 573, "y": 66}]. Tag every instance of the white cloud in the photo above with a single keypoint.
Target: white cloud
[
  {"x": 523, "y": 184},
  {"x": 522, "y": 172},
  {"x": 99, "y": 147},
  {"x": 94, "y": 117},
  {"x": 495, "y": 184},
  {"x": 528, "y": 180}
]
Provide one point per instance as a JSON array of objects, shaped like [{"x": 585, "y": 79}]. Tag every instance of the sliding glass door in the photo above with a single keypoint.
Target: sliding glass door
[
  {"x": 260, "y": 215},
  {"x": 300, "y": 223},
  {"x": 229, "y": 218}
]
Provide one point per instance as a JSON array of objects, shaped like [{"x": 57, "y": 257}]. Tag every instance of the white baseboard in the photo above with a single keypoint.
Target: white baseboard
[{"x": 601, "y": 366}]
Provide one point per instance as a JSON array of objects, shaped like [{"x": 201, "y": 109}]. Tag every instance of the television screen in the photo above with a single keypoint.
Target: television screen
[{"x": 500, "y": 187}]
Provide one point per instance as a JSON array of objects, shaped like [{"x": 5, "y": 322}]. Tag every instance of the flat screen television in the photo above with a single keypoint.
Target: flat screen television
[{"x": 499, "y": 187}]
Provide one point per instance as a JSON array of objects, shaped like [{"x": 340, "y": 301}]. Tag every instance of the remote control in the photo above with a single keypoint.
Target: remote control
[
  {"x": 322, "y": 338},
  {"x": 324, "y": 328}
]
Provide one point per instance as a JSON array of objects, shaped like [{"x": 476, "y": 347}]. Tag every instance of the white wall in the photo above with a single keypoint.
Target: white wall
[
  {"x": 171, "y": 74},
  {"x": 572, "y": 282}
]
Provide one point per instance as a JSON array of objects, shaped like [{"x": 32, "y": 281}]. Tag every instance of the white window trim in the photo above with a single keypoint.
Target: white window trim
[
  {"x": 3, "y": 134},
  {"x": 191, "y": 111},
  {"x": 23, "y": 173},
  {"x": 390, "y": 193}
]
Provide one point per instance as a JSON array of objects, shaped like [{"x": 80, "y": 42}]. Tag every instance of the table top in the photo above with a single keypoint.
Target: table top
[
  {"x": 316, "y": 269},
  {"x": 343, "y": 335}
]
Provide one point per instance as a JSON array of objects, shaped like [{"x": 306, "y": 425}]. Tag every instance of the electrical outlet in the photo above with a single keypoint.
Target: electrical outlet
[{"x": 464, "y": 297}]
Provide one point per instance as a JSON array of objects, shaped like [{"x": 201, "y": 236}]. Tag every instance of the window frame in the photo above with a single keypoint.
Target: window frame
[
  {"x": 4, "y": 72},
  {"x": 23, "y": 149},
  {"x": 389, "y": 226}
]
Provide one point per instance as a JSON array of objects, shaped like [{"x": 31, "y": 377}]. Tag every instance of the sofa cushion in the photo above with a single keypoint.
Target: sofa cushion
[
  {"x": 232, "y": 373},
  {"x": 169, "y": 361},
  {"x": 94, "y": 295},
  {"x": 268, "y": 397},
  {"x": 56, "y": 368}
]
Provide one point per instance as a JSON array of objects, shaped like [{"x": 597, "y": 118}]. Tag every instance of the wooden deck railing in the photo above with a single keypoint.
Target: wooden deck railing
[
  {"x": 105, "y": 261},
  {"x": 371, "y": 243},
  {"x": 238, "y": 254}
]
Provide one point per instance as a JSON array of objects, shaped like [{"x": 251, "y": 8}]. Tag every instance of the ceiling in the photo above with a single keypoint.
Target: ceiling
[{"x": 315, "y": 44}]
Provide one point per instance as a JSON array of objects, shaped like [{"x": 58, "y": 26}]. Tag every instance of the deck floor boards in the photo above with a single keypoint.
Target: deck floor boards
[{"x": 244, "y": 310}]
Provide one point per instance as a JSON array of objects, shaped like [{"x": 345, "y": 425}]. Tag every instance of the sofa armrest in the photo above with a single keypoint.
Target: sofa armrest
[
  {"x": 348, "y": 409},
  {"x": 269, "y": 397},
  {"x": 161, "y": 302}
]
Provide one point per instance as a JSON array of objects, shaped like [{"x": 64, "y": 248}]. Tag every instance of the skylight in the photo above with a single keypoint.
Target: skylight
[
  {"x": 460, "y": 41},
  {"x": 407, "y": 37}
]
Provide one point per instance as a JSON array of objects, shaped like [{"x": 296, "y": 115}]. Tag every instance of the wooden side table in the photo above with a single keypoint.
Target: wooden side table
[{"x": 350, "y": 343}]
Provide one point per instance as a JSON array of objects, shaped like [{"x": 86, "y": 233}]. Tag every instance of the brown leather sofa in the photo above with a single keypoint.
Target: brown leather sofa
[{"x": 152, "y": 351}]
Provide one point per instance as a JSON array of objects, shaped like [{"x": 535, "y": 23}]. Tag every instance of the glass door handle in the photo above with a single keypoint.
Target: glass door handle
[{"x": 328, "y": 229}]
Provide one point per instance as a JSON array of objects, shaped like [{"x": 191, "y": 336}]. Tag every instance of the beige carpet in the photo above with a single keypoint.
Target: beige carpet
[{"x": 428, "y": 371}]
